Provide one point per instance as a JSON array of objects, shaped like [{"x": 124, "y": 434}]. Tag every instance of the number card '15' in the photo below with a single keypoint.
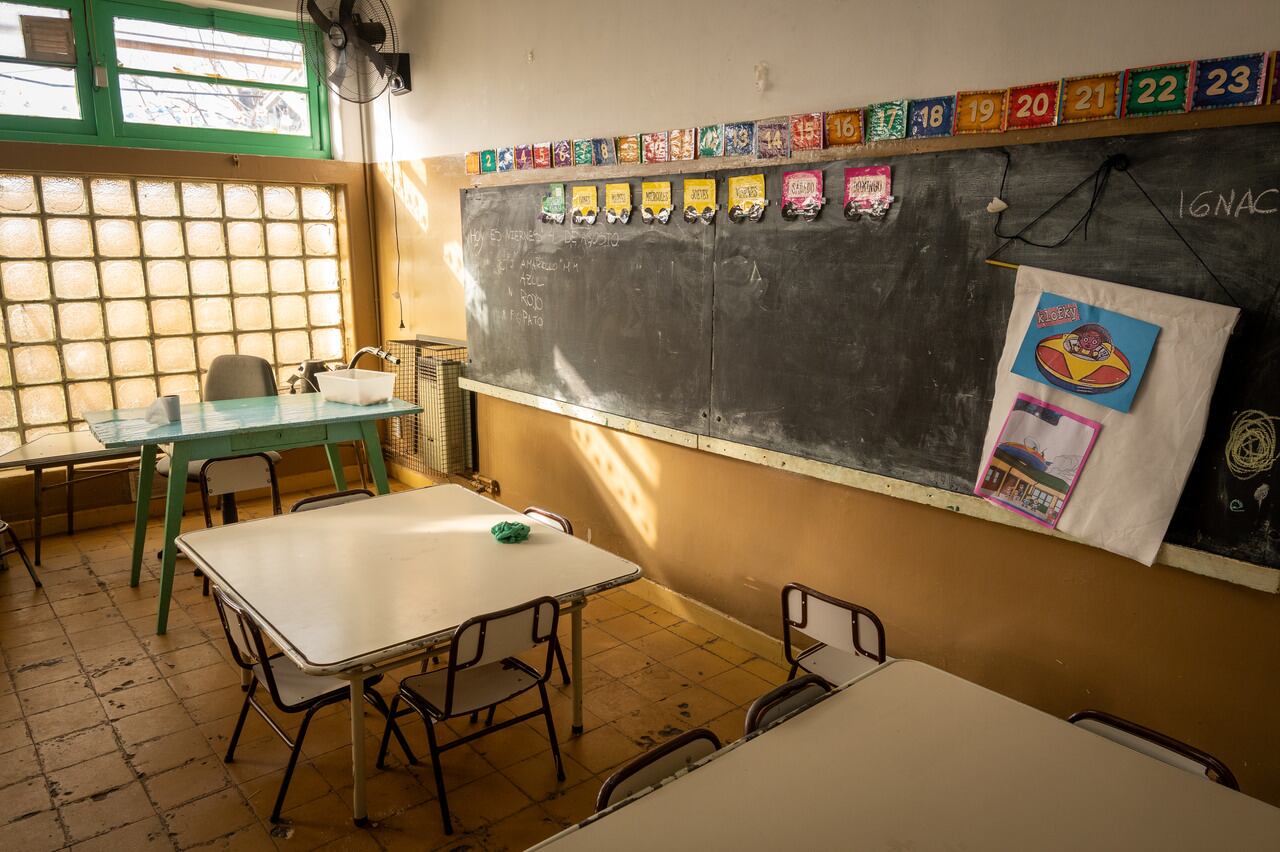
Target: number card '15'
[
  {"x": 1090, "y": 98},
  {"x": 1231, "y": 81},
  {"x": 981, "y": 112},
  {"x": 1157, "y": 90},
  {"x": 1035, "y": 105}
]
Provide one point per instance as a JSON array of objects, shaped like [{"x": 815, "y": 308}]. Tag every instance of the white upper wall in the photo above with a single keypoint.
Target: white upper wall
[{"x": 626, "y": 67}]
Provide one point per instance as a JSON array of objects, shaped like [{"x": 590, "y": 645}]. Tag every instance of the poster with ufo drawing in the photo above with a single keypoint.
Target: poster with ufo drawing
[
  {"x": 1086, "y": 350},
  {"x": 1037, "y": 459}
]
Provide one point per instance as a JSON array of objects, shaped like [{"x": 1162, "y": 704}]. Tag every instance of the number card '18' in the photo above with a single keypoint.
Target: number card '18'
[
  {"x": 1231, "y": 81},
  {"x": 844, "y": 127},
  {"x": 1090, "y": 98},
  {"x": 981, "y": 112},
  {"x": 932, "y": 117},
  {"x": 1157, "y": 90},
  {"x": 1034, "y": 105}
]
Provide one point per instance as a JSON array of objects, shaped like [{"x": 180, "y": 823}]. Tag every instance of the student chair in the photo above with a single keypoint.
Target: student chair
[
  {"x": 483, "y": 672},
  {"x": 791, "y": 697},
  {"x": 291, "y": 690},
  {"x": 849, "y": 639},
  {"x": 672, "y": 758},
  {"x": 548, "y": 518},
  {"x": 15, "y": 546},
  {"x": 1162, "y": 747},
  {"x": 337, "y": 498}
]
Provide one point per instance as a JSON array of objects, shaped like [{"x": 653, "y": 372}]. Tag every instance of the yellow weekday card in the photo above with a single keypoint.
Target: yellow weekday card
[
  {"x": 700, "y": 193},
  {"x": 617, "y": 197},
  {"x": 656, "y": 194},
  {"x": 584, "y": 199},
  {"x": 746, "y": 189}
]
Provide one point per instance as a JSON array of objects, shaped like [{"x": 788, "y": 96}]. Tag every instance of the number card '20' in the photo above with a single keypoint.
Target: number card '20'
[{"x": 1035, "y": 105}]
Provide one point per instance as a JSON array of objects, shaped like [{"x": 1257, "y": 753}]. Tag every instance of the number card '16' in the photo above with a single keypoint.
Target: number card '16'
[
  {"x": 1157, "y": 90},
  {"x": 932, "y": 117},
  {"x": 1090, "y": 98},
  {"x": 981, "y": 112},
  {"x": 1035, "y": 105},
  {"x": 1231, "y": 81}
]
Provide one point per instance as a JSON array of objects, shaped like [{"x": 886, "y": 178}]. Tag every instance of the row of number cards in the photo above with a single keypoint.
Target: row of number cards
[{"x": 1154, "y": 90}]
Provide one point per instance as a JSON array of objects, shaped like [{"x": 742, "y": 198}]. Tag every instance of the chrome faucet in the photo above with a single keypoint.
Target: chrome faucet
[{"x": 376, "y": 352}]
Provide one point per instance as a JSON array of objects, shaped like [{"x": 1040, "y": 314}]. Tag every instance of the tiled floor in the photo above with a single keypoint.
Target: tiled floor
[{"x": 112, "y": 737}]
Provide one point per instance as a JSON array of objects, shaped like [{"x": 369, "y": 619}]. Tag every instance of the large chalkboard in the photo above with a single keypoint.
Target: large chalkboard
[{"x": 873, "y": 345}]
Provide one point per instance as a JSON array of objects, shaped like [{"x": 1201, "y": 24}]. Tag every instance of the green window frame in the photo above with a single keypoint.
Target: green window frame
[{"x": 102, "y": 114}]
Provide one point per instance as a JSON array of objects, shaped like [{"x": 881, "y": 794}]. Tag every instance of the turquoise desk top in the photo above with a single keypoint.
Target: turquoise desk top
[{"x": 128, "y": 427}]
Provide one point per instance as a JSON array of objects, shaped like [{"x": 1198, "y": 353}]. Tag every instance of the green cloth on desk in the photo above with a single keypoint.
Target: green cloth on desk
[{"x": 510, "y": 532}]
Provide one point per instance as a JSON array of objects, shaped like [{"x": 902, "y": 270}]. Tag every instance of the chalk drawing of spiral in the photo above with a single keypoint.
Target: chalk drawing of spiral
[{"x": 1251, "y": 444}]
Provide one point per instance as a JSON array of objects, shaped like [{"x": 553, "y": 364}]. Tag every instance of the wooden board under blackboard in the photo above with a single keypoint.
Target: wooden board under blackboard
[{"x": 873, "y": 345}]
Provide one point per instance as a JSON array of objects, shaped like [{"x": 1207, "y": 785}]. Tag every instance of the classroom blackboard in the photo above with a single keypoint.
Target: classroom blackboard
[{"x": 873, "y": 344}]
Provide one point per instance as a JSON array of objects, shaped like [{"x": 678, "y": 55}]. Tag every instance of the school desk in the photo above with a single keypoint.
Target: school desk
[
  {"x": 66, "y": 450},
  {"x": 910, "y": 757},
  {"x": 358, "y": 589},
  {"x": 234, "y": 427}
]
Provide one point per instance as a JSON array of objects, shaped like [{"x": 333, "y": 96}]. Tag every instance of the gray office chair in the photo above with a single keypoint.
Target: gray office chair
[
  {"x": 650, "y": 769},
  {"x": 233, "y": 377}
]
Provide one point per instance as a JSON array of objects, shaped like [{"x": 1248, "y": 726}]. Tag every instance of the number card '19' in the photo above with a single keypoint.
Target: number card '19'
[
  {"x": 981, "y": 112},
  {"x": 1034, "y": 105},
  {"x": 932, "y": 117},
  {"x": 1090, "y": 98},
  {"x": 1157, "y": 90},
  {"x": 1230, "y": 81}
]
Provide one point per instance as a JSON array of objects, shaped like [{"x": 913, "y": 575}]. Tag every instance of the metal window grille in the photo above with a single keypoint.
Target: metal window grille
[
  {"x": 440, "y": 440},
  {"x": 114, "y": 290}
]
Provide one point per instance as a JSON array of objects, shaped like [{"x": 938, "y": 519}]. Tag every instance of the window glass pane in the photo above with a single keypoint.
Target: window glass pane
[
  {"x": 189, "y": 103},
  {"x": 38, "y": 91},
  {"x": 17, "y": 194},
  {"x": 153, "y": 46}
]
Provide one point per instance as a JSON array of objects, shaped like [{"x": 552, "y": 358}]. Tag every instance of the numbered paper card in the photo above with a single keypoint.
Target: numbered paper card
[
  {"x": 981, "y": 112},
  {"x": 1157, "y": 90},
  {"x": 473, "y": 162},
  {"x": 489, "y": 161},
  {"x": 1229, "y": 82},
  {"x": 932, "y": 117},
  {"x": 700, "y": 194},
  {"x": 628, "y": 149},
  {"x": 740, "y": 139},
  {"x": 886, "y": 121},
  {"x": 542, "y": 155},
  {"x": 806, "y": 131},
  {"x": 524, "y": 156},
  {"x": 1034, "y": 105},
  {"x": 773, "y": 138},
  {"x": 584, "y": 152},
  {"x": 506, "y": 159},
  {"x": 606, "y": 153},
  {"x": 1090, "y": 98},
  {"x": 654, "y": 147},
  {"x": 844, "y": 127},
  {"x": 1274, "y": 97},
  {"x": 682, "y": 144},
  {"x": 711, "y": 141},
  {"x": 562, "y": 153}
]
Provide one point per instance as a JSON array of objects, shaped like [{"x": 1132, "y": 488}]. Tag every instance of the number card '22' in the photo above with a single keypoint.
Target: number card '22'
[{"x": 1157, "y": 90}]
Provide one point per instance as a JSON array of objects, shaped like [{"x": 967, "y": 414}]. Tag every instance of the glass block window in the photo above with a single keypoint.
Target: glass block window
[{"x": 116, "y": 290}]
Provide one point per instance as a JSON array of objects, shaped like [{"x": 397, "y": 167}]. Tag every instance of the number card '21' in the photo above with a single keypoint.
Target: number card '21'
[{"x": 1090, "y": 98}]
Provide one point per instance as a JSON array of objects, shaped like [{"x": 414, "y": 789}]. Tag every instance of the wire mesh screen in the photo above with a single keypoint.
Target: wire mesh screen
[{"x": 440, "y": 440}]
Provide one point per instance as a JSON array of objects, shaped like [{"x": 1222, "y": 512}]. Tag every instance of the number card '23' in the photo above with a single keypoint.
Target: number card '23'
[{"x": 1231, "y": 81}]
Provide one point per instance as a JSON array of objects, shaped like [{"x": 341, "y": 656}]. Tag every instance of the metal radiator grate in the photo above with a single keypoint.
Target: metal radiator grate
[{"x": 440, "y": 440}]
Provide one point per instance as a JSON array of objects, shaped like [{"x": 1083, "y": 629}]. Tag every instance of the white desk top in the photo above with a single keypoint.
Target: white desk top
[
  {"x": 62, "y": 448},
  {"x": 911, "y": 758},
  {"x": 357, "y": 584}
]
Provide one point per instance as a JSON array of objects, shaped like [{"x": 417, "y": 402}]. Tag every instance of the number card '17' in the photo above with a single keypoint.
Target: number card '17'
[
  {"x": 981, "y": 112},
  {"x": 1231, "y": 81},
  {"x": 1157, "y": 90},
  {"x": 1090, "y": 98},
  {"x": 1035, "y": 105}
]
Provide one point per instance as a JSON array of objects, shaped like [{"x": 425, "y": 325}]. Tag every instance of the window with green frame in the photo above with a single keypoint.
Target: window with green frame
[{"x": 152, "y": 74}]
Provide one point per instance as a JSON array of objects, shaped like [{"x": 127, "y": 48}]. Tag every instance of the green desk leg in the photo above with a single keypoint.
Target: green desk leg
[
  {"x": 335, "y": 466},
  {"x": 177, "y": 492},
  {"x": 373, "y": 450},
  {"x": 146, "y": 474}
]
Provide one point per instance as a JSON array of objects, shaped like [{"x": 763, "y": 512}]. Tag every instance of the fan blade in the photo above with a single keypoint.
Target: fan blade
[
  {"x": 344, "y": 10},
  {"x": 371, "y": 31},
  {"x": 313, "y": 9},
  {"x": 371, "y": 53},
  {"x": 340, "y": 71}
]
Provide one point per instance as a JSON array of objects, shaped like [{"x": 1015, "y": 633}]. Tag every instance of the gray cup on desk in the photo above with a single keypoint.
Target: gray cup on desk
[{"x": 171, "y": 406}]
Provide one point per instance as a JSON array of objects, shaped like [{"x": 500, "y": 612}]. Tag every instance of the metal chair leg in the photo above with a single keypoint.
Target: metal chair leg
[
  {"x": 244, "y": 714},
  {"x": 293, "y": 762},
  {"x": 564, "y": 670},
  {"x": 22, "y": 554},
  {"x": 376, "y": 699},
  {"x": 551, "y": 732},
  {"x": 435, "y": 766},
  {"x": 488, "y": 720}
]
